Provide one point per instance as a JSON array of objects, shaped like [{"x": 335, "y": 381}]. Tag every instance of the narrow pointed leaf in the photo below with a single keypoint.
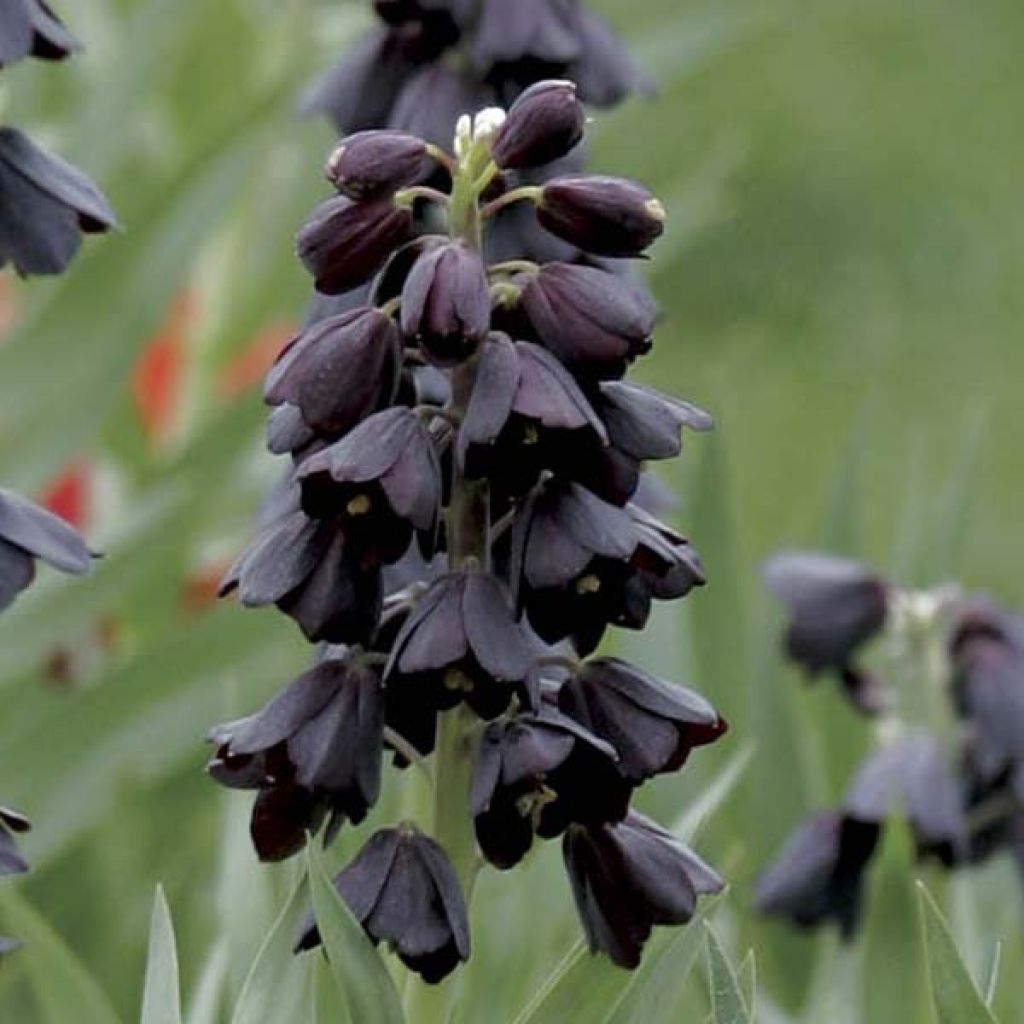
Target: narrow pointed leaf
[
  {"x": 954, "y": 993},
  {"x": 727, "y": 1003},
  {"x": 275, "y": 988},
  {"x": 161, "y": 997},
  {"x": 360, "y": 973}
]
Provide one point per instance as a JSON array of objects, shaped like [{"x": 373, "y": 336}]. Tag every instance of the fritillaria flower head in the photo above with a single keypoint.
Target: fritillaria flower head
[{"x": 460, "y": 498}]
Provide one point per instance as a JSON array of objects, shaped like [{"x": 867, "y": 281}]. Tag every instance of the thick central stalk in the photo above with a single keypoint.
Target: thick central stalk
[{"x": 467, "y": 531}]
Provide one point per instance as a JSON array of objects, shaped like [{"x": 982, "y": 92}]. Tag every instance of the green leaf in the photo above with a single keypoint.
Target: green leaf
[
  {"x": 358, "y": 969},
  {"x": 275, "y": 989},
  {"x": 206, "y": 1001},
  {"x": 992, "y": 974},
  {"x": 727, "y": 1003},
  {"x": 62, "y": 986},
  {"x": 656, "y": 992},
  {"x": 954, "y": 993},
  {"x": 161, "y": 997},
  {"x": 747, "y": 974},
  {"x": 580, "y": 988},
  {"x": 715, "y": 793}
]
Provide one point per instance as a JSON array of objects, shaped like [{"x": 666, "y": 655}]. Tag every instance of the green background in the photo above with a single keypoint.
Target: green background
[{"x": 841, "y": 285}]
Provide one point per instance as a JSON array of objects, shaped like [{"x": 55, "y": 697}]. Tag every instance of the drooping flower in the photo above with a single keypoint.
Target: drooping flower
[
  {"x": 46, "y": 205},
  {"x": 836, "y": 606},
  {"x": 628, "y": 877},
  {"x": 320, "y": 741},
  {"x": 402, "y": 889},
  {"x": 819, "y": 874},
  {"x": 27, "y": 533},
  {"x": 652, "y": 725},
  {"x": 536, "y": 773}
]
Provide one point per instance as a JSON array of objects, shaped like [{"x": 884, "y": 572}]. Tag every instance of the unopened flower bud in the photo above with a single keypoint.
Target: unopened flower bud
[
  {"x": 374, "y": 163},
  {"x": 446, "y": 304},
  {"x": 345, "y": 242},
  {"x": 542, "y": 125},
  {"x": 590, "y": 319},
  {"x": 602, "y": 215}
]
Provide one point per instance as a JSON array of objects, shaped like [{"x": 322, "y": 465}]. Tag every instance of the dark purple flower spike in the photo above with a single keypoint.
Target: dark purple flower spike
[{"x": 459, "y": 494}]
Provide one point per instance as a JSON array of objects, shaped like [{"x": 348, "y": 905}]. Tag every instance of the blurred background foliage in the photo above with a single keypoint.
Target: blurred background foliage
[{"x": 841, "y": 285}]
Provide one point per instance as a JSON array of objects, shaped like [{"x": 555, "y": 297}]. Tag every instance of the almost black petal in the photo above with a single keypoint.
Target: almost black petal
[
  {"x": 835, "y": 606},
  {"x": 359, "y": 91},
  {"x": 595, "y": 322},
  {"x": 644, "y": 423},
  {"x": 28, "y": 532},
  {"x": 320, "y": 739},
  {"x": 988, "y": 661},
  {"x": 433, "y": 100},
  {"x": 30, "y": 27},
  {"x": 446, "y": 303},
  {"x": 912, "y": 776},
  {"x": 346, "y": 241},
  {"x": 526, "y": 414},
  {"x": 45, "y": 206},
  {"x": 304, "y": 566},
  {"x": 339, "y": 371},
  {"x": 602, "y": 215},
  {"x": 403, "y": 890},
  {"x": 536, "y": 30},
  {"x": 377, "y": 162},
  {"x": 11, "y": 860},
  {"x": 543, "y": 125},
  {"x": 383, "y": 480},
  {"x": 461, "y": 642},
  {"x": 604, "y": 73},
  {"x": 628, "y": 877},
  {"x": 653, "y": 725},
  {"x": 818, "y": 876},
  {"x": 537, "y": 773}
]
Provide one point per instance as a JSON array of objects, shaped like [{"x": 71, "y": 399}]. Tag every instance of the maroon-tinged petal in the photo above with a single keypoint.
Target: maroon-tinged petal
[
  {"x": 377, "y": 162},
  {"x": 543, "y": 125},
  {"x": 339, "y": 371},
  {"x": 494, "y": 391},
  {"x": 592, "y": 320},
  {"x": 645, "y": 423},
  {"x": 346, "y": 241},
  {"x": 603, "y": 215},
  {"x": 494, "y": 636},
  {"x": 446, "y": 303}
]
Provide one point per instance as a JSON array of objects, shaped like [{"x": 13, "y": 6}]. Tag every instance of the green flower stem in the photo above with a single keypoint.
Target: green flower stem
[{"x": 468, "y": 528}]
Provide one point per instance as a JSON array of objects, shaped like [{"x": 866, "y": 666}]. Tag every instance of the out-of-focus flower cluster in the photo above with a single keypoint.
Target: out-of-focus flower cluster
[
  {"x": 458, "y": 529},
  {"x": 45, "y": 206},
  {"x": 948, "y": 706}
]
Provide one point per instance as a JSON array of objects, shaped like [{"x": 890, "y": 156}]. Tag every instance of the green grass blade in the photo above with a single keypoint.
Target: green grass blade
[
  {"x": 360, "y": 973},
  {"x": 954, "y": 993},
  {"x": 728, "y": 1005},
  {"x": 62, "y": 986},
  {"x": 992, "y": 974},
  {"x": 275, "y": 988},
  {"x": 161, "y": 997}
]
